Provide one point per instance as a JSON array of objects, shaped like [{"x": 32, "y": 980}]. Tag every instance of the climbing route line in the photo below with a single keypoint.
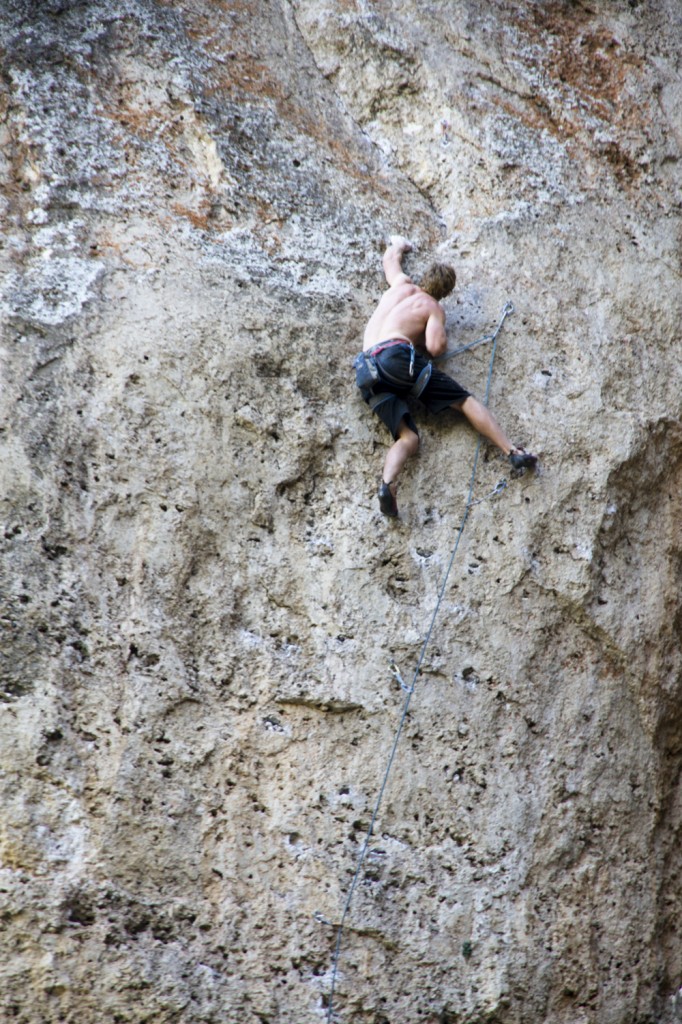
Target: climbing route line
[{"x": 409, "y": 690}]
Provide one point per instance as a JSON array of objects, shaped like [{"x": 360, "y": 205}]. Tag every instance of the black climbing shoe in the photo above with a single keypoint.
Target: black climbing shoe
[
  {"x": 521, "y": 459},
  {"x": 387, "y": 503}
]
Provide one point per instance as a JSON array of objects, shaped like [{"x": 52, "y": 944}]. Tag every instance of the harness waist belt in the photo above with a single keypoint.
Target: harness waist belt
[{"x": 380, "y": 346}]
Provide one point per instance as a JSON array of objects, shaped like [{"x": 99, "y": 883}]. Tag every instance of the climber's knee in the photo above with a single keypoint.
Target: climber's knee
[{"x": 408, "y": 439}]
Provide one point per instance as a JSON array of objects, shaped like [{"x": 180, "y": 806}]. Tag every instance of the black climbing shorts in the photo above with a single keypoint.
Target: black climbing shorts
[{"x": 440, "y": 393}]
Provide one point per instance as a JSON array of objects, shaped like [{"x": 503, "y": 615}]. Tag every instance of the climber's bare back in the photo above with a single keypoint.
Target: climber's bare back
[{"x": 403, "y": 312}]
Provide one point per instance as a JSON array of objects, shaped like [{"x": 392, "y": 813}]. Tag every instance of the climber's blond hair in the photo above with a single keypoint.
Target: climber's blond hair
[{"x": 439, "y": 280}]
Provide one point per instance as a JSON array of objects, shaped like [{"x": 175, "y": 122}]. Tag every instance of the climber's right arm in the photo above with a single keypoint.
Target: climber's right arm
[{"x": 392, "y": 261}]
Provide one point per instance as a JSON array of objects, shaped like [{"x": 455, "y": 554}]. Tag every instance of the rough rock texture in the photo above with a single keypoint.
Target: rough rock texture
[{"x": 200, "y": 600}]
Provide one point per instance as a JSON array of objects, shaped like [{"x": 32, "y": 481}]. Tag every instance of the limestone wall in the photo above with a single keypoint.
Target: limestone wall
[{"x": 200, "y": 600}]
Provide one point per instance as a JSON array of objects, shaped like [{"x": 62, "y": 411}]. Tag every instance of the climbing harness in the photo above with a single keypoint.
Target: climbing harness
[
  {"x": 410, "y": 688},
  {"x": 367, "y": 372}
]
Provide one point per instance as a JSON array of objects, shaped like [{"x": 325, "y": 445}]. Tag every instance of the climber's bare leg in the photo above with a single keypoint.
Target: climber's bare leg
[
  {"x": 485, "y": 423},
  {"x": 405, "y": 446}
]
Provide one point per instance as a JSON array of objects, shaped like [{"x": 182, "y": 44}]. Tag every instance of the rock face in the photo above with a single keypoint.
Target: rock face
[{"x": 200, "y": 600}]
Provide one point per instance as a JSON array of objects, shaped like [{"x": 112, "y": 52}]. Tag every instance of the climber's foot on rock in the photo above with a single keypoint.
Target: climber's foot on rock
[
  {"x": 387, "y": 502},
  {"x": 521, "y": 459}
]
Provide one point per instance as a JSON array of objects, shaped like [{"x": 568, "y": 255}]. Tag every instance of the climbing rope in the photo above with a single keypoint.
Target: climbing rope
[{"x": 507, "y": 310}]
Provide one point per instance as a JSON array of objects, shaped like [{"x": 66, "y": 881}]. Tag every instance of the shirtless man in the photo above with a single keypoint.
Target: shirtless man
[{"x": 405, "y": 329}]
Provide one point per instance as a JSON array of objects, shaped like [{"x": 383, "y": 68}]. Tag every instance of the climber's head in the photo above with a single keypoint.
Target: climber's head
[{"x": 439, "y": 280}]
